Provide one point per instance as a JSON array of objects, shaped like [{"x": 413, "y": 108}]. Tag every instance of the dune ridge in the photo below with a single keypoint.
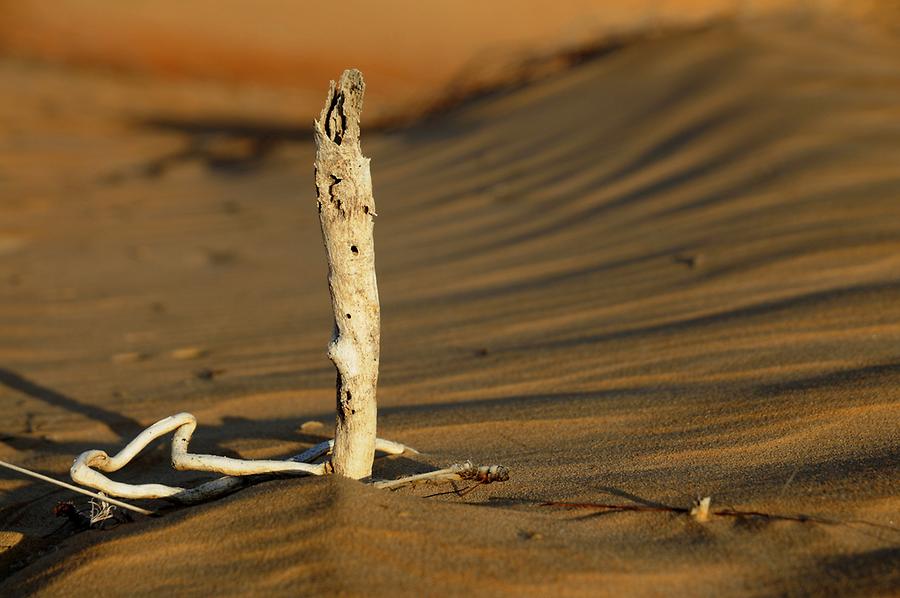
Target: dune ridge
[{"x": 413, "y": 53}]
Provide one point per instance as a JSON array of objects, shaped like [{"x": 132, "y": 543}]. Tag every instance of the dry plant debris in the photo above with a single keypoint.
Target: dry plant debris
[{"x": 468, "y": 471}]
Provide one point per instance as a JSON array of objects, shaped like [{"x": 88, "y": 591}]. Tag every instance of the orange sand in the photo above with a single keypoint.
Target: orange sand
[
  {"x": 410, "y": 50},
  {"x": 670, "y": 271}
]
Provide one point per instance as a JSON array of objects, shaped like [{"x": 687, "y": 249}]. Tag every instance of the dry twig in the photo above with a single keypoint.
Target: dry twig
[
  {"x": 62, "y": 484},
  {"x": 484, "y": 474}
]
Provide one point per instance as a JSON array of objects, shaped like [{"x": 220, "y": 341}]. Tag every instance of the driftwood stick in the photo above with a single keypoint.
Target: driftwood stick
[{"x": 346, "y": 214}]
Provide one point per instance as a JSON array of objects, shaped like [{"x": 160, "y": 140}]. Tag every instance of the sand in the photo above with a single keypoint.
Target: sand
[
  {"x": 669, "y": 271},
  {"x": 411, "y": 51}
]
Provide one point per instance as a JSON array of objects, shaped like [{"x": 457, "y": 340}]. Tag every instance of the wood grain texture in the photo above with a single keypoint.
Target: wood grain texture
[{"x": 346, "y": 214}]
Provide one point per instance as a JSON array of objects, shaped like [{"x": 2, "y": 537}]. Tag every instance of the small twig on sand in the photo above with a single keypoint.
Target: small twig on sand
[
  {"x": 44, "y": 478},
  {"x": 347, "y": 217},
  {"x": 484, "y": 474}
]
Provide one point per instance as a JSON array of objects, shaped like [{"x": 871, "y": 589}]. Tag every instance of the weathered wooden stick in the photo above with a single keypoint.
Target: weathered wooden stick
[{"x": 346, "y": 214}]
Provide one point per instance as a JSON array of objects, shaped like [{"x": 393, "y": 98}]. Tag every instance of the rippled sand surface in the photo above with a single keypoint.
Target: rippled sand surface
[{"x": 671, "y": 270}]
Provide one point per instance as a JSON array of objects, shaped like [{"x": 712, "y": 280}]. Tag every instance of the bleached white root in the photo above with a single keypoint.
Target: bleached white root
[
  {"x": 87, "y": 468},
  {"x": 88, "y": 465},
  {"x": 484, "y": 474}
]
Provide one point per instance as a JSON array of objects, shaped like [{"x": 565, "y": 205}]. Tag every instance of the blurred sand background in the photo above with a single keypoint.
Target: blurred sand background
[
  {"x": 412, "y": 53},
  {"x": 636, "y": 253}
]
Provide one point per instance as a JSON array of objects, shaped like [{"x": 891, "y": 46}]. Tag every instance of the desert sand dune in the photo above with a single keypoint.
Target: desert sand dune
[
  {"x": 411, "y": 51},
  {"x": 671, "y": 271}
]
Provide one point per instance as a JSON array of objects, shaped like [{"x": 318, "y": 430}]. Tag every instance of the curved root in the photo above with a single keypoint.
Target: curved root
[{"x": 87, "y": 468}]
